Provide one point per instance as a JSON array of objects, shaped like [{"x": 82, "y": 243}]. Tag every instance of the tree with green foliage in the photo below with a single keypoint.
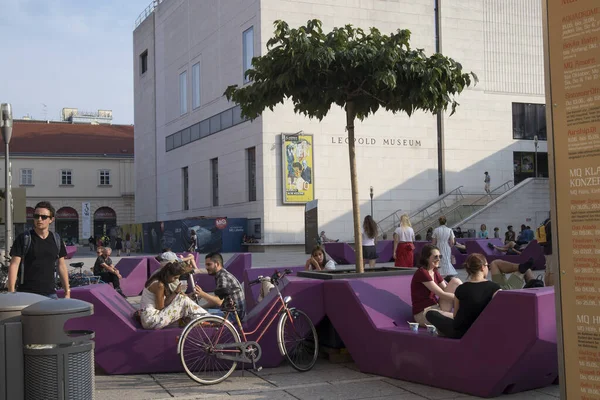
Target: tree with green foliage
[{"x": 357, "y": 70}]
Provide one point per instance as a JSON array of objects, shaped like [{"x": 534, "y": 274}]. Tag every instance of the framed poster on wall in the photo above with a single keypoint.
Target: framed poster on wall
[{"x": 298, "y": 168}]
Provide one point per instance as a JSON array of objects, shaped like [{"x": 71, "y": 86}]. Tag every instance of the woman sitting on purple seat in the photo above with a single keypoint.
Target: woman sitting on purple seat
[
  {"x": 470, "y": 299},
  {"x": 428, "y": 290},
  {"x": 318, "y": 261},
  {"x": 160, "y": 305}
]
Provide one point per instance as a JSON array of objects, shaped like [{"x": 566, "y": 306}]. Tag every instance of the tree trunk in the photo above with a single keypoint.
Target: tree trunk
[{"x": 350, "y": 117}]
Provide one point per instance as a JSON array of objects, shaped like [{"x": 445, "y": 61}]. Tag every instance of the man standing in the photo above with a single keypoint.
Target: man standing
[
  {"x": 105, "y": 269},
  {"x": 223, "y": 279},
  {"x": 36, "y": 254},
  {"x": 487, "y": 180}
]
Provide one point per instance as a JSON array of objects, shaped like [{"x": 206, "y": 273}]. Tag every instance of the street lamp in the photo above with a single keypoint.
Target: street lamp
[
  {"x": 535, "y": 142},
  {"x": 6, "y": 124},
  {"x": 371, "y": 194}
]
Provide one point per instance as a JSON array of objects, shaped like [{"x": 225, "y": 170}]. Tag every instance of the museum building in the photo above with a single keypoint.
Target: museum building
[{"x": 196, "y": 156}]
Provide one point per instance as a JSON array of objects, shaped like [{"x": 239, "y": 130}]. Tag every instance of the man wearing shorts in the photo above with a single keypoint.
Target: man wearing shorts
[{"x": 520, "y": 274}]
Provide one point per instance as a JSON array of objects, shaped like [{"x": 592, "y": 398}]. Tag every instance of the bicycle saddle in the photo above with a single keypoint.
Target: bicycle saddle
[
  {"x": 76, "y": 265},
  {"x": 225, "y": 292}
]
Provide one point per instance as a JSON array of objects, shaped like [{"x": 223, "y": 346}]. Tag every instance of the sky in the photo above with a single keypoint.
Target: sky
[{"x": 68, "y": 53}]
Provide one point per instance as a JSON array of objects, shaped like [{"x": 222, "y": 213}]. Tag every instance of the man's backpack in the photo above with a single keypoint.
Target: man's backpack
[
  {"x": 541, "y": 234},
  {"x": 27, "y": 246}
]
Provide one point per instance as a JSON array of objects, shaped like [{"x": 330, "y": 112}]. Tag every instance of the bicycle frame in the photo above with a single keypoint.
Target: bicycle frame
[{"x": 282, "y": 303}]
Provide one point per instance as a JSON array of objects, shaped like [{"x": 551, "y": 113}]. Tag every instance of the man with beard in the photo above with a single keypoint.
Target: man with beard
[{"x": 224, "y": 279}]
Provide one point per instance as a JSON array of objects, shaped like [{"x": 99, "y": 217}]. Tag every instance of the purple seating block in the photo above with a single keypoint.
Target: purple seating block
[
  {"x": 252, "y": 292},
  {"x": 385, "y": 249},
  {"x": 153, "y": 265},
  {"x": 512, "y": 363},
  {"x": 71, "y": 250},
  {"x": 134, "y": 271},
  {"x": 340, "y": 252},
  {"x": 124, "y": 347},
  {"x": 237, "y": 264}
]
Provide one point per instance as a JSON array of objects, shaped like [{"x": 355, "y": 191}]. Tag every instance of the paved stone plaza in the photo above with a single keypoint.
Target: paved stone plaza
[{"x": 326, "y": 381}]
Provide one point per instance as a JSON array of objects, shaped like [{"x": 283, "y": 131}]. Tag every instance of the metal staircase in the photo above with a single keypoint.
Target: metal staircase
[{"x": 454, "y": 205}]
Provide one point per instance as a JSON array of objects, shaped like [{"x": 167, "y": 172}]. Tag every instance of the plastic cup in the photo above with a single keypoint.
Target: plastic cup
[
  {"x": 432, "y": 330},
  {"x": 414, "y": 326}
]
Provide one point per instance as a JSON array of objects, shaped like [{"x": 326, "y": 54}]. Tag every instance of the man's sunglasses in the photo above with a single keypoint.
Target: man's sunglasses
[{"x": 43, "y": 217}]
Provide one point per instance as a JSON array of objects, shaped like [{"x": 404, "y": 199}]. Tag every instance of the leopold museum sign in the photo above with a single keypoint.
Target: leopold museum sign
[{"x": 370, "y": 141}]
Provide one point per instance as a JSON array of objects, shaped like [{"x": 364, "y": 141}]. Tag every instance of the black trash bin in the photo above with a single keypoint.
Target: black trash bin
[{"x": 59, "y": 364}]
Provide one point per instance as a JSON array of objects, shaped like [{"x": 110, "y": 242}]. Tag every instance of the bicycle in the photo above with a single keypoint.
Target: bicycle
[
  {"x": 78, "y": 278},
  {"x": 210, "y": 346}
]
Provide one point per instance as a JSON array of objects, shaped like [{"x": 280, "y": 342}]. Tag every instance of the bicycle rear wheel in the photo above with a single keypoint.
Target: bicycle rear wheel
[
  {"x": 298, "y": 339},
  {"x": 198, "y": 350}
]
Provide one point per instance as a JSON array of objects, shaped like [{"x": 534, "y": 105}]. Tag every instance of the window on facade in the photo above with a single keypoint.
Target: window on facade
[
  {"x": 226, "y": 119},
  {"x": 144, "y": 62},
  {"x": 214, "y": 171},
  {"x": 204, "y": 128},
  {"x": 195, "y": 132},
  {"x": 185, "y": 136},
  {"x": 215, "y": 123},
  {"x": 248, "y": 50},
  {"x": 66, "y": 177},
  {"x": 196, "y": 85},
  {"x": 26, "y": 177},
  {"x": 183, "y": 107},
  {"x": 251, "y": 156},
  {"x": 177, "y": 140},
  {"x": 104, "y": 177},
  {"x": 169, "y": 143},
  {"x": 186, "y": 200},
  {"x": 529, "y": 120}
]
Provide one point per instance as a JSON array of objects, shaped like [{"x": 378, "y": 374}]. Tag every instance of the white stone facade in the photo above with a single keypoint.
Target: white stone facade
[{"x": 479, "y": 137}]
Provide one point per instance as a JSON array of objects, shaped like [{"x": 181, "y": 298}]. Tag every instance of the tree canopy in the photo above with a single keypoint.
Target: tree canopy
[
  {"x": 357, "y": 70},
  {"x": 315, "y": 70}
]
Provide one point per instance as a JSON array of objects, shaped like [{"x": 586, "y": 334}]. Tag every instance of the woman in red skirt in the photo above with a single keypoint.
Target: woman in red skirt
[{"x": 404, "y": 236}]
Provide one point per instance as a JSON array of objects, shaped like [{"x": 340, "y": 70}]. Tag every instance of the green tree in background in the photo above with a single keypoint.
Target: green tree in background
[{"x": 357, "y": 70}]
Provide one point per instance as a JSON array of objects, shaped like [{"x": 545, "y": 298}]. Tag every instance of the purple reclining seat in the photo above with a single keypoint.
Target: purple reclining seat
[
  {"x": 533, "y": 250},
  {"x": 512, "y": 344},
  {"x": 71, "y": 250},
  {"x": 307, "y": 295},
  {"x": 237, "y": 264},
  {"x": 153, "y": 265},
  {"x": 481, "y": 246},
  {"x": 134, "y": 271},
  {"x": 341, "y": 252},
  {"x": 122, "y": 345},
  {"x": 385, "y": 250},
  {"x": 251, "y": 293}
]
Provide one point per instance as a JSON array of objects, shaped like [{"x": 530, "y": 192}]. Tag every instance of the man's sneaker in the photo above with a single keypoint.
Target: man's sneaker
[
  {"x": 523, "y": 267},
  {"x": 121, "y": 293}
]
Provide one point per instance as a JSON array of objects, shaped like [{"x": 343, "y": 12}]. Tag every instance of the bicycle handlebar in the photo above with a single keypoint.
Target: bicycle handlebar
[{"x": 274, "y": 278}]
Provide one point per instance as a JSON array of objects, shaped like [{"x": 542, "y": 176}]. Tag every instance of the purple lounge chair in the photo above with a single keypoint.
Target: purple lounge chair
[
  {"x": 512, "y": 362},
  {"x": 341, "y": 252},
  {"x": 533, "y": 250},
  {"x": 124, "y": 347},
  {"x": 252, "y": 292},
  {"x": 134, "y": 271},
  {"x": 153, "y": 265},
  {"x": 71, "y": 250},
  {"x": 385, "y": 249}
]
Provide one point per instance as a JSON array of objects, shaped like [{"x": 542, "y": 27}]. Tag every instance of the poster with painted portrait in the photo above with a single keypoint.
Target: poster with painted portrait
[{"x": 297, "y": 161}]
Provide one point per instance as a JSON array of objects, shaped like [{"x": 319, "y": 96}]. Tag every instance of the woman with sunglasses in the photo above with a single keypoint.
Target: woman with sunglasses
[
  {"x": 470, "y": 300},
  {"x": 428, "y": 290}
]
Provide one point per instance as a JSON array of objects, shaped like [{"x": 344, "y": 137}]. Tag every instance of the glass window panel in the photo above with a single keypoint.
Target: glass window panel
[
  {"x": 215, "y": 123},
  {"x": 204, "y": 128},
  {"x": 185, "y": 136},
  {"x": 183, "y": 93},
  {"x": 248, "y": 51},
  {"x": 226, "y": 119},
  {"x": 177, "y": 140},
  {"x": 195, "y": 132},
  {"x": 196, "y": 85},
  {"x": 170, "y": 143}
]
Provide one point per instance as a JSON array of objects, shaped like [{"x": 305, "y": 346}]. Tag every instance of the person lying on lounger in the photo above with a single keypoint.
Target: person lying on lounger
[
  {"x": 473, "y": 296},
  {"x": 160, "y": 306},
  {"x": 510, "y": 248}
]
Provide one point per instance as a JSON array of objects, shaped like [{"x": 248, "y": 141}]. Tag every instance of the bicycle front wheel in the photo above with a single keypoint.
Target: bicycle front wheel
[
  {"x": 199, "y": 351},
  {"x": 298, "y": 339}
]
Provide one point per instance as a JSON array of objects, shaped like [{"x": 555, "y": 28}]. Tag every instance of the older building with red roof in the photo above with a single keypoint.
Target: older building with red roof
[{"x": 85, "y": 170}]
